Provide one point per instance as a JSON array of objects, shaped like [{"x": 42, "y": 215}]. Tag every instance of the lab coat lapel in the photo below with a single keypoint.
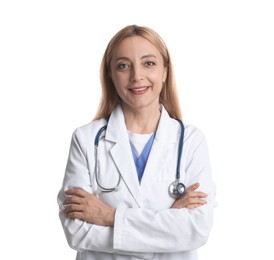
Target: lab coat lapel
[
  {"x": 167, "y": 134},
  {"x": 121, "y": 153}
]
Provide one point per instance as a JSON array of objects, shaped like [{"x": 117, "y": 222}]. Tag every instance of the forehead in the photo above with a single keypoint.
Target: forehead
[{"x": 135, "y": 46}]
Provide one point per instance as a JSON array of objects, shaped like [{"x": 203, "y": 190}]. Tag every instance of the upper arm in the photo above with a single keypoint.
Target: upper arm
[{"x": 198, "y": 165}]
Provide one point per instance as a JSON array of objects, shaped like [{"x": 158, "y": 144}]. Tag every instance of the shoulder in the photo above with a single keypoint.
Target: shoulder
[
  {"x": 86, "y": 133},
  {"x": 193, "y": 133},
  {"x": 172, "y": 130},
  {"x": 194, "y": 139}
]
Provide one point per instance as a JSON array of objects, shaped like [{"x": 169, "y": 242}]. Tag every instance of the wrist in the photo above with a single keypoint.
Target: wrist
[{"x": 111, "y": 217}]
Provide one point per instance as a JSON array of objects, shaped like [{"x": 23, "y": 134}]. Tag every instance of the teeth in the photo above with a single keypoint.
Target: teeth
[{"x": 138, "y": 89}]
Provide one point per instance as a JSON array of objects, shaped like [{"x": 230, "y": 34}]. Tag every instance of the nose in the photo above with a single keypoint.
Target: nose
[{"x": 136, "y": 73}]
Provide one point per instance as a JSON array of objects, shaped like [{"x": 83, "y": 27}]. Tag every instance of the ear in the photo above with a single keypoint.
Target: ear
[{"x": 165, "y": 74}]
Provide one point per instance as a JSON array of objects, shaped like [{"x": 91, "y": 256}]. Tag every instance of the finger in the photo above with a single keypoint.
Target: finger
[
  {"x": 198, "y": 200},
  {"x": 73, "y": 208},
  {"x": 190, "y": 201},
  {"x": 184, "y": 202},
  {"x": 193, "y": 206},
  {"x": 193, "y": 186},
  {"x": 198, "y": 194},
  {"x": 201, "y": 194},
  {"x": 74, "y": 214},
  {"x": 72, "y": 200},
  {"x": 77, "y": 192},
  {"x": 78, "y": 215}
]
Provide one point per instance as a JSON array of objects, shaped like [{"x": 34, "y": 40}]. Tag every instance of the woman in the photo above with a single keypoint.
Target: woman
[{"x": 115, "y": 201}]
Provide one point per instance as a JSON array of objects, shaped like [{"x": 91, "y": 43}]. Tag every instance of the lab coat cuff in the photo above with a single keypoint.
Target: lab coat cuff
[
  {"x": 119, "y": 232},
  {"x": 121, "y": 235}
]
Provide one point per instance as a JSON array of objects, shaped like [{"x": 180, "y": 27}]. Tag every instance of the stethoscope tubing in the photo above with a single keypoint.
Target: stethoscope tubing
[{"x": 180, "y": 149}]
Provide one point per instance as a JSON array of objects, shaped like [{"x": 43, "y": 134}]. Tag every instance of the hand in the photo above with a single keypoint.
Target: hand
[
  {"x": 85, "y": 206},
  {"x": 191, "y": 199}
]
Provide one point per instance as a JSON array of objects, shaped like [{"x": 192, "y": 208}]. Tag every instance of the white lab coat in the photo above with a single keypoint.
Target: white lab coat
[{"x": 145, "y": 227}]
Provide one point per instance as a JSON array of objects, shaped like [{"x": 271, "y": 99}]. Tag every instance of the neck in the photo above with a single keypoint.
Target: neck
[{"x": 142, "y": 121}]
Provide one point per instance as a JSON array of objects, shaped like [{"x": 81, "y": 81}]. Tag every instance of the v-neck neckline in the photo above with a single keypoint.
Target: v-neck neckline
[{"x": 140, "y": 162}]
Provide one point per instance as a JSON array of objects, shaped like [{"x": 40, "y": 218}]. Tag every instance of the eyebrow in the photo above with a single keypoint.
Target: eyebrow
[{"x": 143, "y": 57}]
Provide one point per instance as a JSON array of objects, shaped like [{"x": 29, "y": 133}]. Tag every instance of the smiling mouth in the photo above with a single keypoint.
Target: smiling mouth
[{"x": 139, "y": 90}]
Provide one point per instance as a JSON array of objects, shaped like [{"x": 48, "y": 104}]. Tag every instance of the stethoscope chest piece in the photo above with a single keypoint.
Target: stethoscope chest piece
[{"x": 176, "y": 189}]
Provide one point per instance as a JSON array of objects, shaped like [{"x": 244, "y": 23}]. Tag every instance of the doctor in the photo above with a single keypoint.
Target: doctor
[{"x": 115, "y": 200}]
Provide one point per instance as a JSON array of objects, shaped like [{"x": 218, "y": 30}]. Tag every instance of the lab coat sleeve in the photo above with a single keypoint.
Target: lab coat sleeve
[
  {"x": 171, "y": 230},
  {"x": 81, "y": 235}
]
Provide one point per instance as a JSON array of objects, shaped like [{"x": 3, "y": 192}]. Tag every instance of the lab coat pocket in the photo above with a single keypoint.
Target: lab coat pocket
[
  {"x": 163, "y": 182},
  {"x": 167, "y": 173}
]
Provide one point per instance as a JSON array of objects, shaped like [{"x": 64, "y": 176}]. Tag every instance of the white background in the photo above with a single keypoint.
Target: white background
[{"x": 50, "y": 52}]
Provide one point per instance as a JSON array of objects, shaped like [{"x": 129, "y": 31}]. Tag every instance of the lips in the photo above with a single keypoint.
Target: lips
[{"x": 138, "y": 90}]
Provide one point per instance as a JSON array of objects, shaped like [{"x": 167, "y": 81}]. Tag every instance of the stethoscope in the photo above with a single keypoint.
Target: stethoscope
[{"x": 176, "y": 189}]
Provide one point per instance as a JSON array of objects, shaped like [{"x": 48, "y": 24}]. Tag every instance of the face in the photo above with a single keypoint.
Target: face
[{"x": 138, "y": 73}]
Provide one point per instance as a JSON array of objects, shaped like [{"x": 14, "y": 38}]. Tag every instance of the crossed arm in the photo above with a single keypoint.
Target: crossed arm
[{"x": 86, "y": 206}]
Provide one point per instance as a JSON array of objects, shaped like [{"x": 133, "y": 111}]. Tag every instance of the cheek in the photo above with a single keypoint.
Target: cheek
[
  {"x": 159, "y": 75},
  {"x": 119, "y": 80},
  {"x": 158, "y": 79},
  {"x": 119, "y": 85},
  {"x": 116, "y": 83}
]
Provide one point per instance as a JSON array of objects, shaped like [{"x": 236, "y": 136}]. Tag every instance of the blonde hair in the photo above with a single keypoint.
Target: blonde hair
[{"x": 110, "y": 98}]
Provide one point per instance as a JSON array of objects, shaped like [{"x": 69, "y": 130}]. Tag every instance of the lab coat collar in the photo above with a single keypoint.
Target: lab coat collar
[
  {"x": 116, "y": 128},
  {"x": 165, "y": 129}
]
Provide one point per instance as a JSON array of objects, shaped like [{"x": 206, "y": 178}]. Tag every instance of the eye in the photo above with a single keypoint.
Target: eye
[
  {"x": 150, "y": 63},
  {"x": 122, "y": 66}
]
